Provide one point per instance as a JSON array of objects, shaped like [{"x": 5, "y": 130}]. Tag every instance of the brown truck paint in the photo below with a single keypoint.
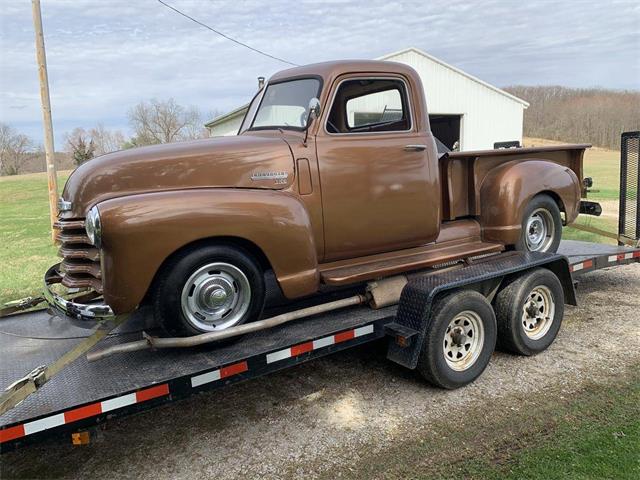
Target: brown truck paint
[{"x": 338, "y": 208}]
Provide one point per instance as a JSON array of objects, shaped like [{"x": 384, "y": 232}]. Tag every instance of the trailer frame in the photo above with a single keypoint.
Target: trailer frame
[{"x": 85, "y": 396}]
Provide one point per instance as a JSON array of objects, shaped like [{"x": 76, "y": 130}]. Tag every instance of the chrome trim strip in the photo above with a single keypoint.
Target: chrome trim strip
[{"x": 66, "y": 307}]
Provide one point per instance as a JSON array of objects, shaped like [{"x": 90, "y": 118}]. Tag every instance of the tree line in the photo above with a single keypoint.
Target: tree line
[
  {"x": 579, "y": 115},
  {"x": 152, "y": 122}
]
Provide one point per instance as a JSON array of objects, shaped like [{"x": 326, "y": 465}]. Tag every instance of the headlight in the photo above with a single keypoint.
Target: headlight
[{"x": 93, "y": 227}]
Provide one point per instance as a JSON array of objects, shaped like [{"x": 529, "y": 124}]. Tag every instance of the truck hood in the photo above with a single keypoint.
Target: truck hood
[{"x": 240, "y": 161}]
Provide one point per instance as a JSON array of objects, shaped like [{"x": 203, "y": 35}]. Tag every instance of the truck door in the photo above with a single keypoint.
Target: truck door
[{"x": 378, "y": 193}]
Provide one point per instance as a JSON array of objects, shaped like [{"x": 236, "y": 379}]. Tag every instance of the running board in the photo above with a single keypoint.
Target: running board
[{"x": 382, "y": 265}]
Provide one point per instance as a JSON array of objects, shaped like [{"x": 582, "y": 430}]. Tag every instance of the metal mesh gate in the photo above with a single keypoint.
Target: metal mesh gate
[{"x": 629, "y": 218}]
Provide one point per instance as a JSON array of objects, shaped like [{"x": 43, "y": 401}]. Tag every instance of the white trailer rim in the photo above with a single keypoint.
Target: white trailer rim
[
  {"x": 538, "y": 312},
  {"x": 463, "y": 340}
]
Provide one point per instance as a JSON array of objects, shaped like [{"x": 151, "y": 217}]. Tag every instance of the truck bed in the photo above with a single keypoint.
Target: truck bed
[{"x": 464, "y": 172}]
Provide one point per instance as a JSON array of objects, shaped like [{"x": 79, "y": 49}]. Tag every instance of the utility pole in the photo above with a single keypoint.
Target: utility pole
[{"x": 47, "y": 124}]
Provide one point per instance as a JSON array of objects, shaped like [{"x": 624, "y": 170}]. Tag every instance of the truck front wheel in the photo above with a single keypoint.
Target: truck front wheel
[
  {"x": 541, "y": 226},
  {"x": 459, "y": 340},
  {"x": 210, "y": 288}
]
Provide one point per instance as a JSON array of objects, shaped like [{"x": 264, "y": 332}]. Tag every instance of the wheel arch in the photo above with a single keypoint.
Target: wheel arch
[
  {"x": 141, "y": 232},
  {"x": 508, "y": 189},
  {"x": 250, "y": 247}
]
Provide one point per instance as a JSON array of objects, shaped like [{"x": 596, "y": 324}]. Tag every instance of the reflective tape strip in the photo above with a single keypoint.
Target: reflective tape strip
[
  {"x": 215, "y": 375},
  {"x": 118, "y": 402},
  {"x": 301, "y": 348},
  {"x": 582, "y": 265},
  {"x": 80, "y": 413},
  {"x": 624, "y": 256}
]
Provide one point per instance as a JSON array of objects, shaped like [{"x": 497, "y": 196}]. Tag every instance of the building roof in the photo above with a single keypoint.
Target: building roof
[
  {"x": 336, "y": 68},
  {"x": 457, "y": 70},
  {"x": 227, "y": 116}
]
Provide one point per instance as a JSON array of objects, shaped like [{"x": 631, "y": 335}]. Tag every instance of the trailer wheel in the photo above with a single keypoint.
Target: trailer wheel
[
  {"x": 529, "y": 312},
  {"x": 541, "y": 226},
  {"x": 210, "y": 288},
  {"x": 459, "y": 340}
]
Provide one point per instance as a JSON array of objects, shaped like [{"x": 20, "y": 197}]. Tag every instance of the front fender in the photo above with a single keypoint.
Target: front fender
[
  {"x": 139, "y": 232},
  {"x": 508, "y": 188}
]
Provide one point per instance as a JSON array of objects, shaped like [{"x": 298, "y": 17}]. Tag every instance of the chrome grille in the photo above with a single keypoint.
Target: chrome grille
[{"x": 80, "y": 266}]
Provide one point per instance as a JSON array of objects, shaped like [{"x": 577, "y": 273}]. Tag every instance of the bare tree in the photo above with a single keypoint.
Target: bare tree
[
  {"x": 106, "y": 141},
  {"x": 592, "y": 115},
  {"x": 80, "y": 145},
  {"x": 163, "y": 122},
  {"x": 14, "y": 150}
]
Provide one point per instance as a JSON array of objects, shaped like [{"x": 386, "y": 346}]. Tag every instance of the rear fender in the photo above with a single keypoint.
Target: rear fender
[
  {"x": 141, "y": 231},
  {"x": 507, "y": 189}
]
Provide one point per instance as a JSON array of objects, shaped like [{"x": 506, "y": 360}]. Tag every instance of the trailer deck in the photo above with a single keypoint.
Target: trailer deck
[{"x": 88, "y": 393}]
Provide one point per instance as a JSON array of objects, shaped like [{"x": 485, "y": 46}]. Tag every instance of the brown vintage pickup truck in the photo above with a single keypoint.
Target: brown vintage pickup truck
[{"x": 334, "y": 179}]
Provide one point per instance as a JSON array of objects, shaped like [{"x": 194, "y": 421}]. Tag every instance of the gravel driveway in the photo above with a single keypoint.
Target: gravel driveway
[{"x": 331, "y": 412}]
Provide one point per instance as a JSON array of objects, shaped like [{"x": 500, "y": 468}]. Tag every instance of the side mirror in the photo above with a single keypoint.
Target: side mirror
[{"x": 314, "y": 111}]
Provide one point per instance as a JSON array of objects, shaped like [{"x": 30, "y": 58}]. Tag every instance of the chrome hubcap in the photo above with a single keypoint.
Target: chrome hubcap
[
  {"x": 539, "y": 232},
  {"x": 538, "y": 312},
  {"x": 463, "y": 340},
  {"x": 215, "y": 297}
]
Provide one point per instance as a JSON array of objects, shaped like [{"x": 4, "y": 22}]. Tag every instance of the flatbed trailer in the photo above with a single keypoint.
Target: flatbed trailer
[{"x": 87, "y": 394}]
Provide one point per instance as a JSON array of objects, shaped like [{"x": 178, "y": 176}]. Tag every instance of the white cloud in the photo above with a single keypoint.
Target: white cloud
[{"x": 105, "y": 56}]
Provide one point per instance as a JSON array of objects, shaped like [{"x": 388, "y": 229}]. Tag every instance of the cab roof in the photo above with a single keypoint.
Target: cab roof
[{"x": 329, "y": 70}]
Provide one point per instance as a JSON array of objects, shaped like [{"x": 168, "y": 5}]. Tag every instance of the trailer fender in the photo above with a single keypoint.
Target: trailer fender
[
  {"x": 507, "y": 189},
  {"x": 139, "y": 232},
  {"x": 414, "y": 310}
]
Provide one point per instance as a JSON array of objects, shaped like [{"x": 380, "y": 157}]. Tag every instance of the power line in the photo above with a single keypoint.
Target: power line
[{"x": 227, "y": 36}]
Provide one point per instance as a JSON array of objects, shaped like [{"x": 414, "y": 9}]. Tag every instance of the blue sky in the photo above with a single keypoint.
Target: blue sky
[{"x": 105, "y": 56}]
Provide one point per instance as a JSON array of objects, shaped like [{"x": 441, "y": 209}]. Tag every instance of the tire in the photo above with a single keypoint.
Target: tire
[
  {"x": 437, "y": 362},
  {"x": 541, "y": 226},
  {"x": 209, "y": 288},
  {"x": 518, "y": 330}
]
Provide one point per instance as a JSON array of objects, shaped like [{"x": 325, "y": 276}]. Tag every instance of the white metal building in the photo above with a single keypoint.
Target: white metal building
[{"x": 463, "y": 109}]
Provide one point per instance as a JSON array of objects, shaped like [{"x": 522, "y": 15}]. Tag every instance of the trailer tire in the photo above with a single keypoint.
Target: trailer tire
[
  {"x": 459, "y": 340},
  {"x": 541, "y": 226},
  {"x": 529, "y": 311},
  {"x": 208, "y": 288}
]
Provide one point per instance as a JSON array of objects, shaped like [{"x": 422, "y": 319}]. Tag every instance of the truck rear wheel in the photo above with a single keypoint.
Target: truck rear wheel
[
  {"x": 529, "y": 312},
  {"x": 211, "y": 288},
  {"x": 459, "y": 340},
  {"x": 541, "y": 226}
]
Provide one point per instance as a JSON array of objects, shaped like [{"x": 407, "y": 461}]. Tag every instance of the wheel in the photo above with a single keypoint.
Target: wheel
[
  {"x": 529, "y": 312},
  {"x": 541, "y": 226},
  {"x": 210, "y": 288},
  {"x": 459, "y": 340}
]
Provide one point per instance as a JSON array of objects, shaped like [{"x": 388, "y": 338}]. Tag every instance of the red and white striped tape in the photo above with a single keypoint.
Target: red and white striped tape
[
  {"x": 581, "y": 266},
  {"x": 219, "y": 374},
  {"x": 301, "y": 348},
  {"x": 80, "y": 413},
  {"x": 624, "y": 256}
]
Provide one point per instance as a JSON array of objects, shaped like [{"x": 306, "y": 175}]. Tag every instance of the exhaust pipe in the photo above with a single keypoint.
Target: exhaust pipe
[
  {"x": 159, "y": 342},
  {"x": 379, "y": 294}
]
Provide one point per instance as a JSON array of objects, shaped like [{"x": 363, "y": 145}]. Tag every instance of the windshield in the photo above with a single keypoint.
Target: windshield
[{"x": 285, "y": 104}]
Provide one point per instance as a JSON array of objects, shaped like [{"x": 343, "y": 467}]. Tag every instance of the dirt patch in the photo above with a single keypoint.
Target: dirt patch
[{"x": 334, "y": 412}]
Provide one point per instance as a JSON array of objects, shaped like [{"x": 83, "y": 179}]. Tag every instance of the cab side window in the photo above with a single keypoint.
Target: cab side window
[{"x": 370, "y": 105}]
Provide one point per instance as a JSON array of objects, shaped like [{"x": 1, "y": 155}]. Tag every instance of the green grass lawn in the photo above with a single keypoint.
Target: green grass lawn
[{"x": 26, "y": 249}]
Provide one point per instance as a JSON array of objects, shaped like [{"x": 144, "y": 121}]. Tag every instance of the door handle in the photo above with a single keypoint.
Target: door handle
[{"x": 414, "y": 148}]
